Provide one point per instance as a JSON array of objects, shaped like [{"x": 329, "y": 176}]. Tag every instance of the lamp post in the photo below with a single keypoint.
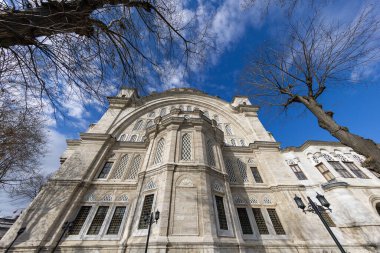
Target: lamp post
[
  {"x": 315, "y": 208},
  {"x": 150, "y": 218},
  {"x": 19, "y": 232}
]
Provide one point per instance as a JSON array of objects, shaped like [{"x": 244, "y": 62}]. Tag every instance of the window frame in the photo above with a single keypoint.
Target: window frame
[
  {"x": 192, "y": 154},
  {"x": 342, "y": 171},
  {"x": 327, "y": 171},
  {"x": 101, "y": 170},
  {"x": 259, "y": 174},
  {"x": 298, "y": 171},
  {"x": 360, "y": 172}
]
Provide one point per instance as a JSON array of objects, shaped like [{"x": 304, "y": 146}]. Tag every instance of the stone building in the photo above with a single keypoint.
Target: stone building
[{"x": 218, "y": 178}]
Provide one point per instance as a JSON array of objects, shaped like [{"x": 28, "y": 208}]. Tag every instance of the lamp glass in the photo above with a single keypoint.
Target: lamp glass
[
  {"x": 323, "y": 200},
  {"x": 299, "y": 202}
]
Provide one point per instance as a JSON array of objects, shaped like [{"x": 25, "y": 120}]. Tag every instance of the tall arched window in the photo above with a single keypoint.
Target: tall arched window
[
  {"x": 132, "y": 173},
  {"x": 378, "y": 208},
  {"x": 233, "y": 142},
  {"x": 121, "y": 168},
  {"x": 228, "y": 129},
  {"x": 242, "y": 169},
  {"x": 186, "y": 147},
  {"x": 230, "y": 170},
  {"x": 181, "y": 107},
  {"x": 327, "y": 157},
  {"x": 210, "y": 153},
  {"x": 133, "y": 138},
  {"x": 163, "y": 112},
  {"x": 151, "y": 114},
  {"x": 138, "y": 125},
  {"x": 188, "y": 108},
  {"x": 242, "y": 142},
  {"x": 159, "y": 151}
]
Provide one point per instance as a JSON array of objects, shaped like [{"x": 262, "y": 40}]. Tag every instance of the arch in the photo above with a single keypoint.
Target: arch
[
  {"x": 138, "y": 125},
  {"x": 151, "y": 114},
  {"x": 122, "y": 137},
  {"x": 122, "y": 197},
  {"x": 239, "y": 200},
  {"x": 233, "y": 142},
  {"x": 186, "y": 147},
  {"x": 149, "y": 123},
  {"x": 119, "y": 172},
  {"x": 90, "y": 197},
  {"x": 132, "y": 173},
  {"x": 377, "y": 206},
  {"x": 163, "y": 112},
  {"x": 185, "y": 182},
  {"x": 159, "y": 151},
  {"x": 107, "y": 197},
  {"x": 217, "y": 186},
  {"x": 242, "y": 142},
  {"x": 150, "y": 186}
]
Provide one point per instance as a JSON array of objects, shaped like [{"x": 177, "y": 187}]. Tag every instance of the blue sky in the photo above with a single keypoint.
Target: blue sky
[{"x": 238, "y": 33}]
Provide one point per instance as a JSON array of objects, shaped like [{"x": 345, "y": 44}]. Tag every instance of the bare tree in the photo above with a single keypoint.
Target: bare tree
[
  {"x": 28, "y": 188},
  {"x": 50, "y": 47},
  {"x": 315, "y": 56},
  {"x": 21, "y": 142}
]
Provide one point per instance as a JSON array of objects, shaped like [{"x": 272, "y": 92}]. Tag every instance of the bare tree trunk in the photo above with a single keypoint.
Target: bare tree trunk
[
  {"x": 21, "y": 27},
  {"x": 365, "y": 147}
]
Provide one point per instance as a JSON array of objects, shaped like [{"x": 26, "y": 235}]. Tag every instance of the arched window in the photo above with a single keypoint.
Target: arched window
[
  {"x": 132, "y": 173},
  {"x": 378, "y": 208},
  {"x": 163, "y": 112},
  {"x": 138, "y": 125},
  {"x": 151, "y": 114},
  {"x": 121, "y": 168},
  {"x": 230, "y": 170},
  {"x": 242, "y": 169},
  {"x": 188, "y": 108},
  {"x": 133, "y": 138},
  {"x": 242, "y": 143},
  {"x": 186, "y": 147},
  {"x": 233, "y": 142},
  {"x": 181, "y": 107},
  {"x": 228, "y": 129},
  {"x": 159, "y": 151},
  {"x": 122, "y": 137},
  {"x": 206, "y": 114},
  {"x": 210, "y": 153},
  {"x": 149, "y": 123},
  {"x": 327, "y": 157}
]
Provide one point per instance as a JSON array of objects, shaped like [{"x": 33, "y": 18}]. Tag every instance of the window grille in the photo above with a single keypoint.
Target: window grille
[
  {"x": 107, "y": 197},
  {"x": 260, "y": 221},
  {"x": 275, "y": 221},
  {"x": 138, "y": 125},
  {"x": 221, "y": 213},
  {"x": 133, "y": 138},
  {"x": 340, "y": 169},
  {"x": 98, "y": 220},
  {"x": 228, "y": 129},
  {"x": 123, "y": 198},
  {"x": 116, "y": 220},
  {"x": 242, "y": 169},
  {"x": 244, "y": 221},
  {"x": 327, "y": 218},
  {"x": 134, "y": 167},
  {"x": 233, "y": 142},
  {"x": 357, "y": 158},
  {"x": 267, "y": 200},
  {"x": 106, "y": 170},
  {"x": 210, "y": 153},
  {"x": 256, "y": 175},
  {"x": 325, "y": 172},
  {"x": 327, "y": 157},
  {"x": 163, "y": 112},
  {"x": 122, "y": 137},
  {"x": 186, "y": 147},
  {"x": 121, "y": 168},
  {"x": 146, "y": 211},
  {"x": 159, "y": 151},
  {"x": 149, "y": 123},
  {"x": 253, "y": 201},
  {"x": 298, "y": 172},
  {"x": 242, "y": 142},
  {"x": 355, "y": 170},
  {"x": 79, "y": 220},
  {"x": 315, "y": 158},
  {"x": 188, "y": 108},
  {"x": 230, "y": 171},
  {"x": 151, "y": 114},
  {"x": 341, "y": 157}
]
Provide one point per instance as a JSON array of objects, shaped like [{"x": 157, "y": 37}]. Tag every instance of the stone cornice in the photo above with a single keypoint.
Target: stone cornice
[
  {"x": 95, "y": 136},
  {"x": 252, "y": 146},
  {"x": 313, "y": 143}
]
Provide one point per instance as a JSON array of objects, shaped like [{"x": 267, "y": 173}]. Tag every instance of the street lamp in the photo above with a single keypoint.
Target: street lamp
[
  {"x": 150, "y": 219},
  {"x": 315, "y": 208}
]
